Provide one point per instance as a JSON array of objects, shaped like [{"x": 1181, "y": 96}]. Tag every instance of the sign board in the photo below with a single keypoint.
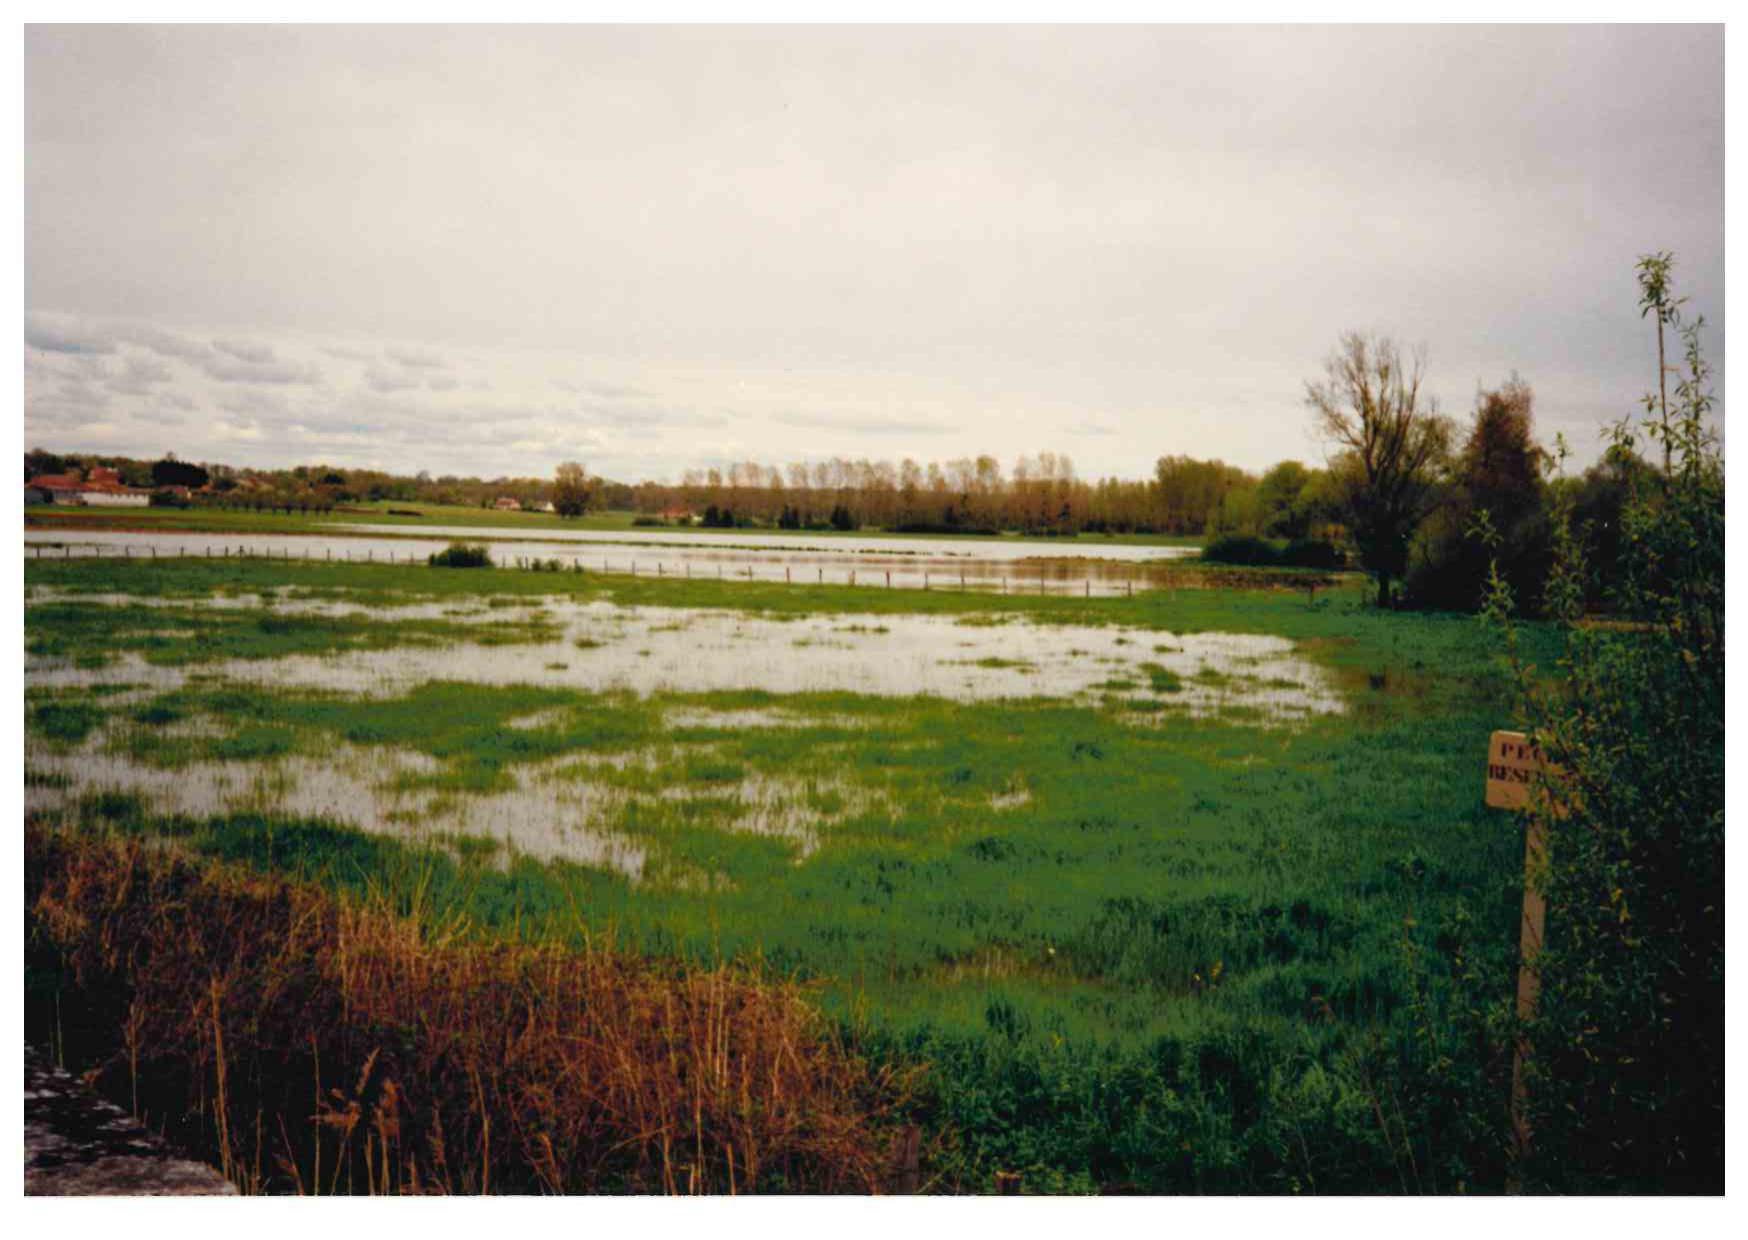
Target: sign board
[{"x": 1512, "y": 766}]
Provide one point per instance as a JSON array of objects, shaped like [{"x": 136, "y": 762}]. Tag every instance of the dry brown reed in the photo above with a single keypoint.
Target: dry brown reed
[{"x": 318, "y": 1044}]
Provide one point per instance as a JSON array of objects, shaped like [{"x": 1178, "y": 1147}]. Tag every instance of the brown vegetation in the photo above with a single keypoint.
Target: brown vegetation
[{"x": 318, "y": 1045}]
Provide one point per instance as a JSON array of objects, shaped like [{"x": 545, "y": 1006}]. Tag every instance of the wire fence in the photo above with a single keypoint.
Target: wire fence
[{"x": 980, "y": 576}]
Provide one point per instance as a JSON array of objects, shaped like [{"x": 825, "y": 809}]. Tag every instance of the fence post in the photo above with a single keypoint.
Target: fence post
[
  {"x": 907, "y": 1179},
  {"x": 889, "y": 579}
]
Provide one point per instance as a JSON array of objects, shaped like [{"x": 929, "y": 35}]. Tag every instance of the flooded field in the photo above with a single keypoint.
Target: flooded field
[
  {"x": 557, "y": 800},
  {"x": 1017, "y": 822},
  {"x": 601, "y": 647},
  {"x": 896, "y": 563}
]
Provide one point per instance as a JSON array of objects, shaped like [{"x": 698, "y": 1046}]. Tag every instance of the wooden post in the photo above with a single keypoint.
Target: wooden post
[
  {"x": 889, "y": 579},
  {"x": 1513, "y": 768},
  {"x": 1007, "y": 1183},
  {"x": 907, "y": 1178}
]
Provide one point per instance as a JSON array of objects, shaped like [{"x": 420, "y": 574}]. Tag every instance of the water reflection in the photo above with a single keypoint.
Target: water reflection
[{"x": 937, "y": 564}]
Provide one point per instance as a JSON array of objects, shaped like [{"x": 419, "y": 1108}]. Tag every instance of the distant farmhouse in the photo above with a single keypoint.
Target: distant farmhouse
[
  {"x": 508, "y": 503},
  {"x": 101, "y": 488}
]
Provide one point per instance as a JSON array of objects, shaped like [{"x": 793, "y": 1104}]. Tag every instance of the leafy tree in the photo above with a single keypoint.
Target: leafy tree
[
  {"x": 1498, "y": 472},
  {"x": 1392, "y": 448},
  {"x": 37, "y": 461},
  {"x": 171, "y": 472},
  {"x": 1280, "y": 501},
  {"x": 573, "y": 491},
  {"x": 1625, "y": 1068}
]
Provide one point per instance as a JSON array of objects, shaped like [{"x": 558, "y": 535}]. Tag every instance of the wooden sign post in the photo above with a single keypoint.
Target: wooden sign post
[{"x": 1514, "y": 766}]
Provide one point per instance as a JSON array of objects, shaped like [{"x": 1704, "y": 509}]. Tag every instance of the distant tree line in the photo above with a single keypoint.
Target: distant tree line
[{"x": 1040, "y": 495}]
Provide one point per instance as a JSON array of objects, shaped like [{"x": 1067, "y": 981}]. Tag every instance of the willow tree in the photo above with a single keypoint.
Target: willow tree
[{"x": 1391, "y": 446}]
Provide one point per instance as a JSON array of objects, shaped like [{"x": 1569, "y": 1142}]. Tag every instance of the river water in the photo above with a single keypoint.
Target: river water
[{"x": 897, "y": 563}]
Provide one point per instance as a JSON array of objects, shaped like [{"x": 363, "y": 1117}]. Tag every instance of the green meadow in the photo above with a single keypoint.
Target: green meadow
[
  {"x": 490, "y": 522},
  {"x": 1131, "y": 947}
]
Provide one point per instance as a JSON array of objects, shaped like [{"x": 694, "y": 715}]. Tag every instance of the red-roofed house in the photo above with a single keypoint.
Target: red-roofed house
[{"x": 104, "y": 488}]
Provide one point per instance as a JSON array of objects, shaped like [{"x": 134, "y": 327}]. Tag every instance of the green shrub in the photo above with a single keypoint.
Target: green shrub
[
  {"x": 1244, "y": 549},
  {"x": 462, "y": 555},
  {"x": 1625, "y": 1063}
]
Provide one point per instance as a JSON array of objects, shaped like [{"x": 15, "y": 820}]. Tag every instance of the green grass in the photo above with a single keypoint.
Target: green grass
[
  {"x": 1232, "y": 600},
  {"x": 1185, "y": 958},
  {"x": 500, "y": 524},
  {"x": 90, "y": 634}
]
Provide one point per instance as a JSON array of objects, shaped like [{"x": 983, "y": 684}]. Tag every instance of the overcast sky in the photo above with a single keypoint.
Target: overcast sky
[{"x": 488, "y": 250}]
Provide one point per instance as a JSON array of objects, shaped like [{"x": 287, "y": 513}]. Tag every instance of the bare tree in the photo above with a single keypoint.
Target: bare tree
[{"x": 1391, "y": 449}]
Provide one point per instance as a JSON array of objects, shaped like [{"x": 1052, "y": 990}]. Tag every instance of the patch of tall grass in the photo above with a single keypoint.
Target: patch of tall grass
[{"x": 315, "y": 1044}]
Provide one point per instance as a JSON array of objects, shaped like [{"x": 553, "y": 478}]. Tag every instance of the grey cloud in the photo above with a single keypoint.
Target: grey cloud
[
  {"x": 417, "y": 360},
  {"x": 52, "y": 336},
  {"x": 140, "y": 375},
  {"x": 273, "y": 373},
  {"x": 1138, "y": 240},
  {"x": 861, "y": 425},
  {"x": 246, "y": 351},
  {"x": 165, "y": 343},
  {"x": 381, "y": 380},
  {"x": 651, "y": 416}
]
